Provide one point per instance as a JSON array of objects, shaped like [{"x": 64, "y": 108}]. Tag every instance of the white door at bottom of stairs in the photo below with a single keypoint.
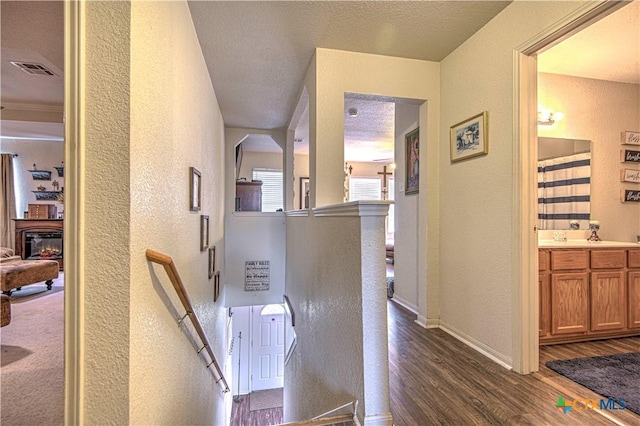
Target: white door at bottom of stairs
[{"x": 267, "y": 347}]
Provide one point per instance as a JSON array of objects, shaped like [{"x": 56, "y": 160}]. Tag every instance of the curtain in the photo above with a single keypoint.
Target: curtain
[
  {"x": 564, "y": 185},
  {"x": 7, "y": 202}
]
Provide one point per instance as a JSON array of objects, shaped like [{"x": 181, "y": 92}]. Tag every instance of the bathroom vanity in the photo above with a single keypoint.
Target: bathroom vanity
[{"x": 588, "y": 291}]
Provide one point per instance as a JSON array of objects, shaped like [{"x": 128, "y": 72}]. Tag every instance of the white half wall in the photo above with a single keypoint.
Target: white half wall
[{"x": 336, "y": 286}]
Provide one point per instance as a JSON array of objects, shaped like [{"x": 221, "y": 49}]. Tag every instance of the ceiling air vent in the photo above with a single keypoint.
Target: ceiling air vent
[{"x": 33, "y": 68}]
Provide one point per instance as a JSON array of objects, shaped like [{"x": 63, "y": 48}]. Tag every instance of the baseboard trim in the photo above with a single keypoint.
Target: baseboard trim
[
  {"x": 405, "y": 304},
  {"x": 478, "y": 346},
  {"x": 378, "y": 420}
]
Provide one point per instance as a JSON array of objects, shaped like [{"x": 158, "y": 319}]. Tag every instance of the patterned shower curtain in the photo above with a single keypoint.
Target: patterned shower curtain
[
  {"x": 564, "y": 186},
  {"x": 7, "y": 202}
]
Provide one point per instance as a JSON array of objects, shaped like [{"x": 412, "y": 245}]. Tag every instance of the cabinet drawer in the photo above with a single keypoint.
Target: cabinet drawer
[
  {"x": 569, "y": 259},
  {"x": 607, "y": 259},
  {"x": 543, "y": 260},
  {"x": 634, "y": 258}
]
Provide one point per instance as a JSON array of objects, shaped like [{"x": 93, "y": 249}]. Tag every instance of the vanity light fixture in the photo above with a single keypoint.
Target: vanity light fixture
[{"x": 547, "y": 118}]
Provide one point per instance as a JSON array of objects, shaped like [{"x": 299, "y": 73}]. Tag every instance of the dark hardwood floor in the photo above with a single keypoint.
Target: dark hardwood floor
[
  {"x": 436, "y": 379},
  {"x": 242, "y": 416}
]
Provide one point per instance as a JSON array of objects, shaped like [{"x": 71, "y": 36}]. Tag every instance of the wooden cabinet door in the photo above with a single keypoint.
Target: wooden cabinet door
[
  {"x": 545, "y": 306},
  {"x": 569, "y": 303},
  {"x": 608, "y": 301},
  {"x": 634, "y": 299}
]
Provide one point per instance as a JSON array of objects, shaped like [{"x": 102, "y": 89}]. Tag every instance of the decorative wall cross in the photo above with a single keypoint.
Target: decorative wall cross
[{"x": 384, "y": 174}]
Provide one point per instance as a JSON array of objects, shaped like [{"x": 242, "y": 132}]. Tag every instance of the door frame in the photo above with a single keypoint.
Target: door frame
[
  {"x": 525, "y": 296},
  {"x": 73, "y": 141}
]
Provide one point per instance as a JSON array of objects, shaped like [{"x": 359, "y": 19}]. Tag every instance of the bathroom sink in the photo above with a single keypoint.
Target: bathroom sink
[{"x": 583, "y": 244}]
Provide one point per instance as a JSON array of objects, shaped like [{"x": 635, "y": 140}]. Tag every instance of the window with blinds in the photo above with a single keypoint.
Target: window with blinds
[
  {"x": 272, "y": 189},
  {"x": 365, "y": 188}
]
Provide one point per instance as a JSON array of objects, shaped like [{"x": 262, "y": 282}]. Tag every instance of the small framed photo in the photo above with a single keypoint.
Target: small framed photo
[
  {"x": 470, "y": 138},
  {"x": 204, "y": 232},
  {"x": 195, "y": 190},
  {"x": 304, "y": 193},
  {"x": 412, "y": 163},
  {"x": 216, "y": 286},
  {"x": 212, "y": 261}
]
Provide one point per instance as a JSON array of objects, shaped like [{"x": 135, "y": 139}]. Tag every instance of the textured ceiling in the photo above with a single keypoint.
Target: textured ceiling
[
  {"x": 32, "y": 32},
  {"x": 257, "y": 52}
]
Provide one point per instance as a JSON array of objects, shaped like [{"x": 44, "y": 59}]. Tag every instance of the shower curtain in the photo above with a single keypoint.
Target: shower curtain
[{"x": 564, "y": 185}]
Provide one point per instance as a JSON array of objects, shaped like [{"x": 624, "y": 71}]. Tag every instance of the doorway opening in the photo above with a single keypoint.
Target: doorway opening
[{"x": 531, "y": 85}]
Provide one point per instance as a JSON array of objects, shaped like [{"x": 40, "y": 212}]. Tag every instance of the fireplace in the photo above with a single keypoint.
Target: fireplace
[
  {"x": 40, "y": 239},
  {"x": 43, "y": 245}
]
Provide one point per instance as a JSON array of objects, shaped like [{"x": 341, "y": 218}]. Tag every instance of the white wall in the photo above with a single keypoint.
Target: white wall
[
  {"x": 104, "y": 282},
  {"x": 476, "y": 202},
  {"x": 406, "y": 216},
  {"x": 598, "y": 111},
  {"x": 175, "y": 124},
  {"x": 143, "y": 125},
  {"x": 240, "y": 349},
  {"x": 254, "y": 236},
  {"x": 251, "y": 160},
  {"x": 300, "y": 169},
  {"x": 46, "y": 155}
]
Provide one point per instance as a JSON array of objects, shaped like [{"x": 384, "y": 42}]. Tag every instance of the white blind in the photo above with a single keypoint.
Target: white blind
[
  {"x": 365, "y": 188},
  {"x": 271, "y": 188}
]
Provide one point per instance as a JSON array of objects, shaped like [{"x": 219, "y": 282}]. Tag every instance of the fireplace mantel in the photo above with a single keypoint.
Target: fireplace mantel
[{"x": 35, "y": 225}]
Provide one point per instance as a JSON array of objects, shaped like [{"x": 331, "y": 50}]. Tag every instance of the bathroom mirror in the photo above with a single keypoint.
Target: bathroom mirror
[{"x": 564, "y": 182}]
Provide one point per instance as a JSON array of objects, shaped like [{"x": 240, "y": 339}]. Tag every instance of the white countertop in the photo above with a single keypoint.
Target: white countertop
[{"x": 584, "y": 244}]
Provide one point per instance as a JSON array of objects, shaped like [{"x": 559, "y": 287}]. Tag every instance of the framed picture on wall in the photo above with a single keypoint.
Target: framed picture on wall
[
  {"x": 204, "y": 232},
  {"x": 304, "y": 192},
  {"x": 195, "y": 190},
  {"x": 412, "y": 163},
  {"x": 212, "y": 261},
  {"x": 216, "y": 286},
  {"x": 469, "y": 138}
]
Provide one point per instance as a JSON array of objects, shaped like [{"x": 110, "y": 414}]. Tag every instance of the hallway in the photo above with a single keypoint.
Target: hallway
[{"x": 436, "y": 379}]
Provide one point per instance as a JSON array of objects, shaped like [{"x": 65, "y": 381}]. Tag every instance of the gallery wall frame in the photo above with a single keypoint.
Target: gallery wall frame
[
  {"x": 470, "y": 138},
  {"x": 216, "y": 286},
  {"x": 212, "y": 261},
  {"x": 204, "y": 232},
  {"x": 412, "y": 163},
  {"x": 195, "y": 189}
]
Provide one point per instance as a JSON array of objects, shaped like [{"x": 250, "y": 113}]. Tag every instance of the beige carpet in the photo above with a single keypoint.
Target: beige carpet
[
  {"x": 262, "y": 400},
  {"x": 32, "y": 357}
]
